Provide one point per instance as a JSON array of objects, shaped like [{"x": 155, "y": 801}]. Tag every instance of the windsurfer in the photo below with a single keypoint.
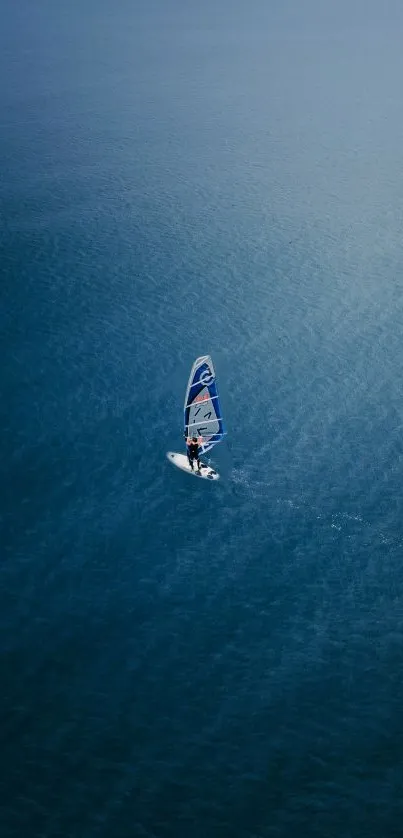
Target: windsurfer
[{"x": 193, "y": 444}]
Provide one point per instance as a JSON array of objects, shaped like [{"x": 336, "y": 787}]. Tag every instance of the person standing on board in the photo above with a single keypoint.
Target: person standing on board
[{"x": 193, "y": 444}]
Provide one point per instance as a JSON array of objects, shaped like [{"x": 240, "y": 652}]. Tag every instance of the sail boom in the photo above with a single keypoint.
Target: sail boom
[{"x": 205, "y": 422}]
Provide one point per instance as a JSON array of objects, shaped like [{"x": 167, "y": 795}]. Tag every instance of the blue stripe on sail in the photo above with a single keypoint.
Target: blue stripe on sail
[{"x": 203, "y": 379}]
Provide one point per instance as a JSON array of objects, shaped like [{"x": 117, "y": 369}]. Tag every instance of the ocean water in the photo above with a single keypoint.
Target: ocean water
[{"x": 181, "y": 659}]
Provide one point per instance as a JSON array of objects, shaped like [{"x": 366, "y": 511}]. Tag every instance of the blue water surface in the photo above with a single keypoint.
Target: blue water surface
[{"x": 183, "y": 659}]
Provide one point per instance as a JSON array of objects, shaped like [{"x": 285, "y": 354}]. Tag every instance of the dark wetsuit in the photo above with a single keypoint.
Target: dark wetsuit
[{"x": 193, "y": 453}]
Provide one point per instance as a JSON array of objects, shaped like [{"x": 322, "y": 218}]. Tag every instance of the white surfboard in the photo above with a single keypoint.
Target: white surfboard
[{"x": 182, "y": 462}]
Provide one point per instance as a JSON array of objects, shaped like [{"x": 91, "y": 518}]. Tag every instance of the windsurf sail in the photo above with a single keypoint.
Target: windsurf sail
[{"x": 202, "y": 412}]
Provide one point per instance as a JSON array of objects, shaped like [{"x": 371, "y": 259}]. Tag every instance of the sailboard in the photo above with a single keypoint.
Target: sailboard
[{"x": 202, "y": 416}]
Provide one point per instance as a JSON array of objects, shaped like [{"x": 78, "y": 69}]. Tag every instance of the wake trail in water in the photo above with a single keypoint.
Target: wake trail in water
[{"x": 245, "y": 482}]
